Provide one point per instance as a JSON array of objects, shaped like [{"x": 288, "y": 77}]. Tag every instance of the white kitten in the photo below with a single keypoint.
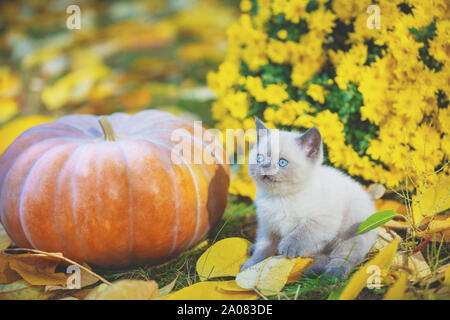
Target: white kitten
[{"x": 305, "y": 208}]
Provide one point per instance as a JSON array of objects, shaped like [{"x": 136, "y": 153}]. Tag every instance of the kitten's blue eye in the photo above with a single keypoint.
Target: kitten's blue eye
[
  {"x": 259, "y": 158},
  {"x": 283, "y": 163}
]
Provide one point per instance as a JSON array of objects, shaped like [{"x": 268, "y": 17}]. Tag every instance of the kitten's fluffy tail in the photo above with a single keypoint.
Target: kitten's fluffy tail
[{"x": 376, "y": 191}]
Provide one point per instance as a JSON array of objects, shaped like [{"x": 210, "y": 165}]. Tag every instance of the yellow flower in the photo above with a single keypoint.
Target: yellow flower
[
  {"x": 246, "y": 5},
  {"x": 316, "y": 92},
  {"x": 282, "y": 34},
  {"x": 295, "y": 10},
  {"x": 277, "y": 51},
  {"x": 275, "y": 94}
]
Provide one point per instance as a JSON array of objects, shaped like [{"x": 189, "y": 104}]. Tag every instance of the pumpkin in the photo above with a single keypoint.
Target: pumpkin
[{"x": 108, "y": 191}]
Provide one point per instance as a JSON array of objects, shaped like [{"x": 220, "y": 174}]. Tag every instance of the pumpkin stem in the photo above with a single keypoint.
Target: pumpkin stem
[{"x": 107, "y": 129}]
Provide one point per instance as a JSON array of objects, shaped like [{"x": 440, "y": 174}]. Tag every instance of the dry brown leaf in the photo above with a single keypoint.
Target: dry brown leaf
[
  {"x": 415, "y": 263},
  {"x": 270, "y": 275},
  {"x": 64, "y": 260},
  {"x": 7, "y": 275},
  {"x": 438, "y": 229},
  {"x": 212, "y": 290},
  {"x": 37, "y": 269},
  {"x": 419, "y": 267},
  {"x": 125, "y": 290}
]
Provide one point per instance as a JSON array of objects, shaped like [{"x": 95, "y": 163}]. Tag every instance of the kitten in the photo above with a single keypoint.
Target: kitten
[{"x": 305, "y": 208}]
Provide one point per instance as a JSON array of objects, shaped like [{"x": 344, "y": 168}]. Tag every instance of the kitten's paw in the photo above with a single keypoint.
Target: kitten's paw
[
  {"x": 247, "y": 264},
  {"x": 291, "y": 247},
  {"x": 338, "y": 272}
]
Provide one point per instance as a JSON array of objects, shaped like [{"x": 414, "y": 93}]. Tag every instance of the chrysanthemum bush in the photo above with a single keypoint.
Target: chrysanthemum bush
[{"x": 378, "y": 96}]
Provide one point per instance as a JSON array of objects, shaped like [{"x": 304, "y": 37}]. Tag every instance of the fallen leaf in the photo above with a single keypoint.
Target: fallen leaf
[
  {"x": 7, "y": 275},
  {"x": 439, "y": 224},
  {"x": 419, "y": 266},
  {"x": 125, "y": 290},
  {"x": 447, "y": 276},
  {"x": 224, "y": 258},
  {"x": 300, "y": 265},
  {"x": 85, "y": 269},
  {"x": 22, "y": 290},
  {"x": 398, "y": 225},
  {"x": 209, "y": 290},
  {"x": 167, "y": 288},
  {"x": 416, "y": 263},
  {"x": 5, "y": 241},
  {"x": 37, "y": 269},
  {"x": 359, "y": 279},
  {"x": 397, "y": 290},
  {"x": 270, "y": 275},
  {"x": 231, "y": 286}
]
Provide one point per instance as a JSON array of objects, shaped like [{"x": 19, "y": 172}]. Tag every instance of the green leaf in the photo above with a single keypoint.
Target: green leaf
[{"x": 376, "y": 220}]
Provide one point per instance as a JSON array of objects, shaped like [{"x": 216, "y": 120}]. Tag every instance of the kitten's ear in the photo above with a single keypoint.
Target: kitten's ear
[
  {"x": 261, "y": 129},
  {"x": 311, "y": 143}
]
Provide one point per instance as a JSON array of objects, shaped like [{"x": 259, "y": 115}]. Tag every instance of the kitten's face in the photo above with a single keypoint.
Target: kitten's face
[{"x": 281, "y": 161}]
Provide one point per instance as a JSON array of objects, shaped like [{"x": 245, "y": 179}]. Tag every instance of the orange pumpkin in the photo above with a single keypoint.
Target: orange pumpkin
[{"x": 107, "y": 191}]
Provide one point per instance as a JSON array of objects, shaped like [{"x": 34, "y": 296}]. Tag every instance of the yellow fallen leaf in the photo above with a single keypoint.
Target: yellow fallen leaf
[
  {"x": 416, "y": 262},
  {"x": 397, "y": 290},
  {"x": 447, "y": 276},
  {"x": 5, "y": 241},
  {"x": 125, "y": 290},
  {"x": 300, "y": 265},
  {"x": 231, "y": 286},
  {"x": 13, "y": 129},
  {"x": 224, "y": 258},
  {"x": 209, "y": 290},
  {"x": 270, "y": 275},
  {"x": 22, "y": 290},
  {"x": 37, "y": 269},
  {"x": 432, "y": 200},
  {"x": 359, "y": 280}
]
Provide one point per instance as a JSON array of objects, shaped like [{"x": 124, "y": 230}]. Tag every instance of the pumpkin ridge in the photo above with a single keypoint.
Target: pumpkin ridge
[
  {"x": 194, "y": 181},
  {"x": 131, "y": 204},
  {"x": 81, "y": 243},
  {"x": 70, "y": 158},
  {"x": 4, "y": 177},
  {"x": 23, "y": 188}
]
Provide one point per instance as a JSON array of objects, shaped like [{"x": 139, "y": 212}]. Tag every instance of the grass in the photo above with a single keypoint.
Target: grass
[{"x": 239, "y": 220}]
